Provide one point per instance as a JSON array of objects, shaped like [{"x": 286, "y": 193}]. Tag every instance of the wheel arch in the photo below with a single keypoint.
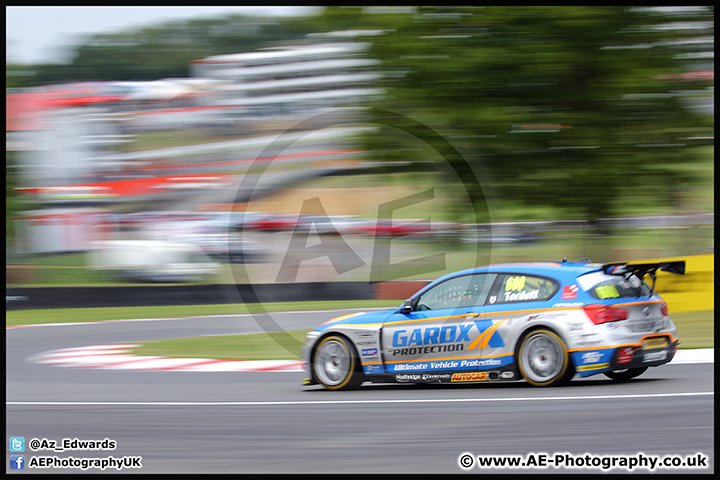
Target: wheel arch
[
  {"x": 544, "y": 326},
  {"x": 355, "y": 352}
]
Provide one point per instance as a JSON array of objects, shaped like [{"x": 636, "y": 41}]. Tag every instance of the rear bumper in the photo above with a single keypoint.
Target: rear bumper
[{"x": 633, "y": 356}]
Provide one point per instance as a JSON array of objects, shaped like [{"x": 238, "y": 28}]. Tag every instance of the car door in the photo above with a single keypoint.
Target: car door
[
  {"x": 513, "y": 297},
  {"x": 441, "y": 326}
]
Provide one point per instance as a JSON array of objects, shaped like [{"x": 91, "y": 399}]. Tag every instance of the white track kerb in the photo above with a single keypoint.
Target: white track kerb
[{"x": 118, "y": 357}]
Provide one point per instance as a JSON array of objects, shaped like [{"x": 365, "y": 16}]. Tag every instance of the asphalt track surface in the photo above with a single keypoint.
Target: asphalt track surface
[{"x": 267, "y": 422}]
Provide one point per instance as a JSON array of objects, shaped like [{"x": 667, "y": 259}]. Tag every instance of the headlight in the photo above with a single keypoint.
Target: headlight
[{"x": 311, "y": 336}]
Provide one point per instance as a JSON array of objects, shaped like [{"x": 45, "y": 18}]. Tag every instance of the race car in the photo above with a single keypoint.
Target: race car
[{"x": 541, "y": 322}]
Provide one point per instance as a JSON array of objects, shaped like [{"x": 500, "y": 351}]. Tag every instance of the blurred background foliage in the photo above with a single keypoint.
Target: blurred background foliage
[
  {"x": 569, "y": 107},
  {"x": 574, "y": 108}
]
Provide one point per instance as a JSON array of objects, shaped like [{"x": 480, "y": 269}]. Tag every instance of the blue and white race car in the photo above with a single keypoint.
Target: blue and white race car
[{"x": 541, "y": 322}]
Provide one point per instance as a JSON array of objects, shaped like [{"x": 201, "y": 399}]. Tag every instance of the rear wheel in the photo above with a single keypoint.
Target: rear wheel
[
  {"x": 543, "y": 359},
  {"x": 625, "y": 375},
  {"x": 336, "y": 366}
]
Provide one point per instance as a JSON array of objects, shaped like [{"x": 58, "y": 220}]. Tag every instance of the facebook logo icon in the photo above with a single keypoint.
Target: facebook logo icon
[{"x": 17, "y": 462}]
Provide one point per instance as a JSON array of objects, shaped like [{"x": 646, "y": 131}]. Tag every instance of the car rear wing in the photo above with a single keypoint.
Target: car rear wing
[{"x": 642, "y": 269}]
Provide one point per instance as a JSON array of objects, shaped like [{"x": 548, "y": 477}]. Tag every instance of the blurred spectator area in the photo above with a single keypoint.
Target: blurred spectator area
[{"x": 53, "y": 245}]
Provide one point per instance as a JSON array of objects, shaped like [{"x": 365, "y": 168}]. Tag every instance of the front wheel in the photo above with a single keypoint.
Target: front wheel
[
  {"x": 544, "y": 360},
  {"x": 625, "y": 375},
  {"x": 336, "y": 365}
]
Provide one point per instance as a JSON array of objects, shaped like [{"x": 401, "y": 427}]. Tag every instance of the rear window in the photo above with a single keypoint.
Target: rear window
[{"x": 604, "y": 287}]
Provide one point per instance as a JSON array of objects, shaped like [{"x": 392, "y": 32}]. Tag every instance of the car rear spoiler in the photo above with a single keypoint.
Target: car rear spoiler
[{"x": 642, "y": 269}]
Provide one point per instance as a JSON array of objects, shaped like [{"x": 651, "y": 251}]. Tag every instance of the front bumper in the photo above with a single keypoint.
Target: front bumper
[{"x": 309, "y": 379}]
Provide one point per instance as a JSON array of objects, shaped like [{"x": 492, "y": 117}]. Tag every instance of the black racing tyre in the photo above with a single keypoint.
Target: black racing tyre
[
  {"x": 336, "y": 365},
  {"x": 625, "y": 375},
  {"x": 543, "y": 359}
]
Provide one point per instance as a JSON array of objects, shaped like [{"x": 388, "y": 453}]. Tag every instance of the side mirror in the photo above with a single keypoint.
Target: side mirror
[{"x": 407, "y": 306}]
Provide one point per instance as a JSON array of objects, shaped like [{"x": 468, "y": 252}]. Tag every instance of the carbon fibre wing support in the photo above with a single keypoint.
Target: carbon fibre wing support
[{"x": 642, "y": 269}]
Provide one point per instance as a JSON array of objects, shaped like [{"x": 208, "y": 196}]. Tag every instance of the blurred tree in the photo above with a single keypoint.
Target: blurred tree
[
  {"x": 569, "y": 107},
  {"x": 166, "y": 50},
  {"x": 17, "y": 76}
]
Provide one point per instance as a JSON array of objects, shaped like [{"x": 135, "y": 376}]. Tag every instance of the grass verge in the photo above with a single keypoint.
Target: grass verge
[
  {"x": 32, "y": 317},
  {"x": 696, "y": 330}
]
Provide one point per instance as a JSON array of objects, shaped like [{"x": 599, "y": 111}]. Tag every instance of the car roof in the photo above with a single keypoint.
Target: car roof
[{"x": 559, "y": 270}]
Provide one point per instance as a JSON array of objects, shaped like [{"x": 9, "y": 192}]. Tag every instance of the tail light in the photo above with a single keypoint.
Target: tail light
[
  {"x": 604, "y": 313},
  {"x": 664, "y": 309}
]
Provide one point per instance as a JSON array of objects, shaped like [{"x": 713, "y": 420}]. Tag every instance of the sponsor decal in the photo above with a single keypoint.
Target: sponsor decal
[
  {"x": 369, "y": 352},
  {"x": 365, "y": 344},
  {"x": 432, "y": 335},
  {"x": 606, "y": 291},
  {"x": 469, "y": 377},
  {"x": 425, "y": 377},
  {"x": 522, "y": 296},
  {"x": 427, "y": 350},
  {"x": 569, "y": 292},
  {"x": 641, "y": 326},
  {"x": 651, "y": 343},
  {"x": 625, "y": 338},
  {"x": 655, "y": 356},
  {"x": 449, "y": 338},
  {"x": 568, "y": 305},
  {"x": 493, "y": 299},
  {"x": 507, "y": 374},
  {"x": 482, "y": 362},
  {"x": 597, "y": 366},
  {"x": 445, "y": 365},
  {"x": 403, "y": 367},
  {"x": 365, "y": 334},
  {"x": 575, "y": 326},
  {"x": 591, "y": 357},
  {"x": 625, "y": 355},
  {"x": 372, "y": 368}
]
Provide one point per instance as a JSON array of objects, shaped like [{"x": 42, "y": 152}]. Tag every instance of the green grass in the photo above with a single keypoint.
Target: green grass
[
  {"x": 45, "y": 316},
  {"x": 695, "y": 330},
  {"x": 258, "y": 346}
]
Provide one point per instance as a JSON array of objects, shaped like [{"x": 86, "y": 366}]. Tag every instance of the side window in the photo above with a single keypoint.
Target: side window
[
  {"x": 464, "y": 291},
  {"x": 514, "y": 288}
]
